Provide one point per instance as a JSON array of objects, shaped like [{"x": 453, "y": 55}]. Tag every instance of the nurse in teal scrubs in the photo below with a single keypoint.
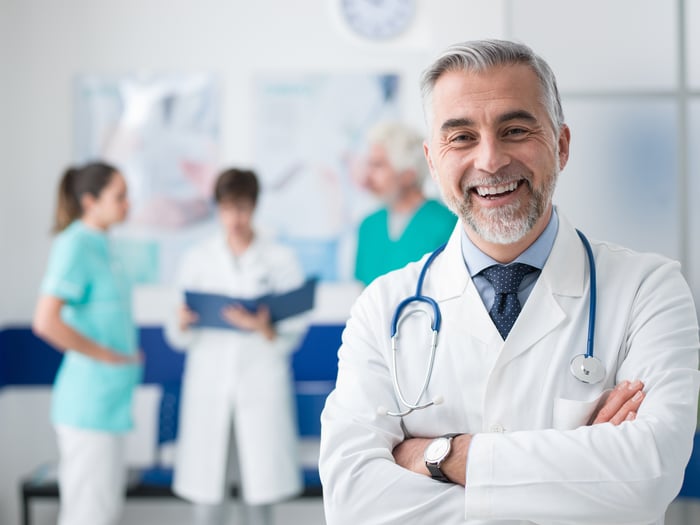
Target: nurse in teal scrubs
[
  {"x": 409, "y": 225},
  {"x": 84, "y": 310}
]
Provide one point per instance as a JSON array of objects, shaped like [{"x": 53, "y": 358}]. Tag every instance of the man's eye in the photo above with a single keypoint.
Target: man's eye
[{"x": 515, "y": 132}]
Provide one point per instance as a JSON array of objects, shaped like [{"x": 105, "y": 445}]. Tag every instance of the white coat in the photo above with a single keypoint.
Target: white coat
[
  {"x": 238, "y": 377},
  {"x": 532, "y": 459}
]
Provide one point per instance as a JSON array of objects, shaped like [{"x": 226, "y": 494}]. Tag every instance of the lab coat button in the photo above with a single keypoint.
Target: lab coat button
[{"x": 497, "y": 427}]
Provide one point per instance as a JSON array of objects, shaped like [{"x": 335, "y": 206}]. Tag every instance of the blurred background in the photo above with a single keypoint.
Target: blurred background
[{"x": 171, "y": 91}]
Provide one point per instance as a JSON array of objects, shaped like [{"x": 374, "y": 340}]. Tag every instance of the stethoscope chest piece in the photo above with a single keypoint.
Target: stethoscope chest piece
[{"x": 588, "y": 369}]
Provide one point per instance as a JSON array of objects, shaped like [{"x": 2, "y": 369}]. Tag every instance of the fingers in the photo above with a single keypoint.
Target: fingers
[
  {"x": 409, "y": 455},
  {"x": 234, "y": 315},
  {"x": 263, "y": 314},
  {"x": 187, "y": 317},
  {"x": 622, "y": 403},
  {"x": 628, "y": 411},
  {"x": 238, "y": 316}
]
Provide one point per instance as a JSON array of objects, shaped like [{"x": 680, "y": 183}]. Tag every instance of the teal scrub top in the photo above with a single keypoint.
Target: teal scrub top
[
  {"x": 378, "y": 254},
  {"x": 82, "y": 271}
]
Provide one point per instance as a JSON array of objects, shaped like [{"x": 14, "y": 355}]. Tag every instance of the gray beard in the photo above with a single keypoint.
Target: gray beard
[{"x": 505, "y": 225}]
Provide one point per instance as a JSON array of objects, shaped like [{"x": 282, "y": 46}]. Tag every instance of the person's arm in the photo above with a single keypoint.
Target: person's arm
[
  {"x": 621, "y": 405},
  {"x": 605, "y": 473},
  {"x": 177, "y": 327},
  {"x": 287, "y": 274},
  {"x": 361, "y": 481},
  {"x": 48, "y": 325}
]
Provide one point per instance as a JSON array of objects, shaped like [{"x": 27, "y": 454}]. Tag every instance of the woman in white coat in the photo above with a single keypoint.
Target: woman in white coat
[{"x": 237, "y": 386}]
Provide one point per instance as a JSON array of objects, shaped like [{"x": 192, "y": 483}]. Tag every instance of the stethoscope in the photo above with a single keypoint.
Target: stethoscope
[{"x": 584, "y": 367}]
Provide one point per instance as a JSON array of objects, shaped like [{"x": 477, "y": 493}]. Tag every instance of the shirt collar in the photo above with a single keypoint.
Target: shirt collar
[{"x": 536, "y": 255}]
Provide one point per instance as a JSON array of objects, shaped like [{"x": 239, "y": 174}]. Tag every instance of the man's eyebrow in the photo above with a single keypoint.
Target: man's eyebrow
[
  {"x": 518, "y": 114},
  {"x": 456, "y": 123}
]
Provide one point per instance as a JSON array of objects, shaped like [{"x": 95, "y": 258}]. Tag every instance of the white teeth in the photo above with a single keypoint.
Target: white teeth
[{"x": 483, "y": 191}]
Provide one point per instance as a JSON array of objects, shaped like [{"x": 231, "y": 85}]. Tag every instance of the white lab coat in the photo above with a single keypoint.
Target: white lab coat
[
  {"x": 234, "y": 376},
  {"x": 532, "y": 459}
]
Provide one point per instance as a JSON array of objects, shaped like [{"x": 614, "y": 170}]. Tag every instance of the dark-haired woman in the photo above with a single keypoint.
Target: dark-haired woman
[{"x": 84, "y": 310}]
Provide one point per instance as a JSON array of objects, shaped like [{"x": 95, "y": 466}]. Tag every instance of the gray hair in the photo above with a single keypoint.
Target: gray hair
[
  {"x": 403, "y": 146},
  {"x": 480, "y": 55}
]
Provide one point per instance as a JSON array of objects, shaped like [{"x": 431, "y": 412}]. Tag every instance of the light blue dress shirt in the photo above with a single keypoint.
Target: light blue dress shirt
[{"x": 536, "y": 255}]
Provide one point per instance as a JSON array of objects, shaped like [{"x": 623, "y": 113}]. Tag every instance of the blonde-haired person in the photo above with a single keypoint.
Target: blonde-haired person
[
  {"x": 84, "y": 310},
  {"x": 409, "y": 224}
]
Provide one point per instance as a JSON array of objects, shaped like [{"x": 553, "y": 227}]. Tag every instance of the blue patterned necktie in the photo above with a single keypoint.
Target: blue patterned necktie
[{"x": 506, "y": 281}]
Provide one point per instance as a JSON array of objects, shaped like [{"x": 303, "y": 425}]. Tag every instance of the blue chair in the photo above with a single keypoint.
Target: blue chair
[
  {"x": 310, "y": 400},
  {"x": 168, "y": 420},
  {"x": 691, "y": 481}
]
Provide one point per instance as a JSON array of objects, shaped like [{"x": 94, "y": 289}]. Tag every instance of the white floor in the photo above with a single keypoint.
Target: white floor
[
  {"x": 298, "y": 512},
  {"x": 152, "y": 512}
]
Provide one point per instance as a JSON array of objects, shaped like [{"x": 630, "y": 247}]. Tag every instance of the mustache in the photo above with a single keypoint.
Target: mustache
[{"x": 505, "y": 177}]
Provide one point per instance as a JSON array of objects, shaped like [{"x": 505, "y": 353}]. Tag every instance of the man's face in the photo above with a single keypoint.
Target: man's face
[
  {"x": 494, "y": 153},
  {"x": 236, "y": 217}
]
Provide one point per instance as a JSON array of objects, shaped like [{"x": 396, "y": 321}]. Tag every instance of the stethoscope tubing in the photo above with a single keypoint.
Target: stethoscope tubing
[
  {"x": 593, "y": 294},
  {"x": 581, "y": 368}
]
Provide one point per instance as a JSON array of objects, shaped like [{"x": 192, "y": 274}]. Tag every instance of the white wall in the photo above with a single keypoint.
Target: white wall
[{"x": 47, "y": 43}]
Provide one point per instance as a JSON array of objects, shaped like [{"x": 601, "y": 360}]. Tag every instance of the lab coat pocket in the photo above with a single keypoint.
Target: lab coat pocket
[{"x": 569, "y": 413}]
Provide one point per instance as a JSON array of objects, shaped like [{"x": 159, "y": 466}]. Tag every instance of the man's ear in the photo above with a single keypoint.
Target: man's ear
[
  {"x": 564, "y": 143},
  {"x": 426, "y": 152}
]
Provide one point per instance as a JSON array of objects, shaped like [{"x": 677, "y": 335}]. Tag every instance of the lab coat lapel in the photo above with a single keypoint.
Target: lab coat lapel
[
  {"x": 450, "y": 283},
  {"x": 563, "y": 275},
  {"x": 447, "y": 277}
]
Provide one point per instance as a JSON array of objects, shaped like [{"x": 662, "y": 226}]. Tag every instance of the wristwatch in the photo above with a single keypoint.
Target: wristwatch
[{"x": 436, "y": 453}]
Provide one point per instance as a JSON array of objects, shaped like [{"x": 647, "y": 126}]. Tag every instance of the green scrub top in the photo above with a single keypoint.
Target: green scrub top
[
  {"x": 83, "y": 273},
  {"x": 378, "y": 254}
]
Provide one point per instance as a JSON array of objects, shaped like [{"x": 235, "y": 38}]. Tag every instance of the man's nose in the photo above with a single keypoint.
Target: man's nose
[{"x": 490, "y": 155}]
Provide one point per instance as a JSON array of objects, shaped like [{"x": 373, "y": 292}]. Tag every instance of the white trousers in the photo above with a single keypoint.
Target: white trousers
[{"x": 91, "y": 476}]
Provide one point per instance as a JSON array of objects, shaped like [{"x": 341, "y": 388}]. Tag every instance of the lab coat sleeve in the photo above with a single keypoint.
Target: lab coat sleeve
[
  {"x": 177, "y": 338},
  {"x": 362, "y": 483},
  {"x": 288, "y": 275},
  {"x": 604, "y": 473}
]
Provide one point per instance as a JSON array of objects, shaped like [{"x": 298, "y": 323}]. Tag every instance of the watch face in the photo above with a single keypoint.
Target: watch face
[
  {"x": 378, "y": 18},
  {"x": 437, "y": 449}
]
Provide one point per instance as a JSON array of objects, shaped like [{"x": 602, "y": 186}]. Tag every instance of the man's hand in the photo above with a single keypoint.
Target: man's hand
[
  {"x": 621, "y": 405},
  {"x": 409, "y": 455}
]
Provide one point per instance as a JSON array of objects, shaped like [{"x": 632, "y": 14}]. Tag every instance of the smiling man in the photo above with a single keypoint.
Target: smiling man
[{"x": 467, "y": 391}]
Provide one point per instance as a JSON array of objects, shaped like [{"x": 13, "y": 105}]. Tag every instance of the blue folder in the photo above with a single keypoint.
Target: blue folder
[{"x": 208, "y": 306}]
